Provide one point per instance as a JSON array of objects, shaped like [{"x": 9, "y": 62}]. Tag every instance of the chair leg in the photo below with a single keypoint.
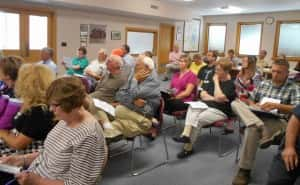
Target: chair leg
[
  {"x": 157, "y": 165},
  {"x": 132, "y": 158},
  {"x": 239, "y": 142}
]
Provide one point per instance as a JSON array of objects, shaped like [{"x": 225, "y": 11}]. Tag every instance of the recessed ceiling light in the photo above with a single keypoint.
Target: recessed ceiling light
[
  {"x": 230, "y": 9},
  {"x": 187, "y": 0}
]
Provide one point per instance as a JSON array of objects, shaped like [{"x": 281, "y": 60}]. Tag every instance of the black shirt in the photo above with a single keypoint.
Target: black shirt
[
  {"x": 228, "y": 89},
  {"x": 206, "y": 75},
  {"x": 35, "y": 122}
]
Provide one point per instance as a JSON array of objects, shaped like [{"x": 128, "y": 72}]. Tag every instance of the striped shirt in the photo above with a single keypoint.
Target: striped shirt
[
  {"x": 288, "y": 93},
  {"x": 73, "y": 155}
]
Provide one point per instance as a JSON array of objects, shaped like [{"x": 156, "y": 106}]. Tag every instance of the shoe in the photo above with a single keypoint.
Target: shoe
[
  {"x": 182, "y": 139},
  {"x": 274, "y": 139},
  {"x": 242, "y": 177},
  {"x": 184, "y": 154},
  {"x": 165, "y": 79}
]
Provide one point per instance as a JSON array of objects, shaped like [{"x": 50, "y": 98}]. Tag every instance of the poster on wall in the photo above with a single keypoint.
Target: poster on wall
[
  {"x": 97, "y": 33},
  {"x": 84, "y": 33},
  {"x": 191, "y": 36}
]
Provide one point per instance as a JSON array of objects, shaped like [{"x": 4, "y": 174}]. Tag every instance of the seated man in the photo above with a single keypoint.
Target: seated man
[
  {"x": 285, "y": 166},
  {"x": 139, "y": 100},
  {"x": 261, "y": 130},
  {"x": 97, "y": 68},
  {"x": 114, "y": 78},
  {"x": 46, "y": 59}
]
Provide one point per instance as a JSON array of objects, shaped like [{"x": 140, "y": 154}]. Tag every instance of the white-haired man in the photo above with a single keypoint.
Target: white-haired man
[
  {"x": 138, "y": 100},
  {"x": 97, "y": 68}
]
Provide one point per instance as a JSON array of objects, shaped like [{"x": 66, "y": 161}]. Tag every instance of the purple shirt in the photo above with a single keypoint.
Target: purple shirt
[{"x": 180, "y": 84}]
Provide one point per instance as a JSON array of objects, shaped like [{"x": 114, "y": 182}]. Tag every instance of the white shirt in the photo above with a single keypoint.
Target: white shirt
[
  {"x": 49, "y": 63},
  {"x": 96, "y": 67}
]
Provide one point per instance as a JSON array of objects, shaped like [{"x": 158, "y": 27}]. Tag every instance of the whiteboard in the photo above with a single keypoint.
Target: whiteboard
[
  {"x": 191, "y": 36},
  {"x": 140, "y": 42}
]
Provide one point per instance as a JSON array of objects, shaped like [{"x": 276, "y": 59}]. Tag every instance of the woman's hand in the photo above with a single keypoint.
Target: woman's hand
[
  {"x": 15, "y": 160},
  {"x": 28, "y": 178},
  {"x": 216, "y": 78}
]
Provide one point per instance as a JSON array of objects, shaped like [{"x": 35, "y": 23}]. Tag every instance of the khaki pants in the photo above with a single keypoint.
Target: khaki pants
[
  {"x": 127, "y": 123},
  {"x": 263, "y": 128},
  {"x": 196, "y": 119}
]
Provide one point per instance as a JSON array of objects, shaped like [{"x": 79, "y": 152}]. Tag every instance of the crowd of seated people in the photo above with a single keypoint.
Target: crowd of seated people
[
  {"x": 131, "y": 86},
  {"x": 217, "y": 94}
]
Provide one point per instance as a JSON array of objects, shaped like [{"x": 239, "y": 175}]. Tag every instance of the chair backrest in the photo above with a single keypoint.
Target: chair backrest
[{"x": 160, "y": 111}]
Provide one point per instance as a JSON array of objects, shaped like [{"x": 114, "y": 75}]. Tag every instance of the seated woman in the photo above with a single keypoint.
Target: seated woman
[
  {"x": 218, "y": 95},
  {"x": 139, "y": 100},
  {"x": 9, "y": 67},
  {"x": 247, "y": 79},
  {"x": 80, "y": 155},
  {"x": 35, "y": 120},
  {"x": 182, "y": 88},
  {"x": 79, "y": 63}
]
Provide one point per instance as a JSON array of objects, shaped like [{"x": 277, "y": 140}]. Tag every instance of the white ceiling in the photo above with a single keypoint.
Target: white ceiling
[{"x": 210, "y": 7}]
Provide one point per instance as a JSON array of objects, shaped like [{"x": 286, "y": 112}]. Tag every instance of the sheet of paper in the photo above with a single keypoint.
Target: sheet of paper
[
  {"x": 10, "y": 169},
  {"x": 270, "y": 100},
  {"x": 104, "y": 106},
  {"x": 68, "y": 61},
  {"x": 197, "y": 105}
]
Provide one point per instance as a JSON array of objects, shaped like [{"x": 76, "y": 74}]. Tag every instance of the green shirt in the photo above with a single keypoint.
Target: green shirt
[{"x": 82, "y": 62}]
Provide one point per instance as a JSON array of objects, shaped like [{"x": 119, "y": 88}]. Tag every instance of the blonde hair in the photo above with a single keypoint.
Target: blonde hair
[
  {"x": 32, "y": 84},
  {"x": 225, "y": 64}
]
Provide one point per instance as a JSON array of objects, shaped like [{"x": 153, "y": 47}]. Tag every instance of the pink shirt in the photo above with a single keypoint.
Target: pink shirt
[
  {"x": 174, "y": 57},
  {"x": 180, "y": 84}
]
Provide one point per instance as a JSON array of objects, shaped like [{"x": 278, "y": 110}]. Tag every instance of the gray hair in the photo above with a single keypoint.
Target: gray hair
[
  {"x": 116, "y": 58},
  {"x": 102, "y": 50},
  {"x": 48, "y": 50},
  {"x": 147, "y": 61}
]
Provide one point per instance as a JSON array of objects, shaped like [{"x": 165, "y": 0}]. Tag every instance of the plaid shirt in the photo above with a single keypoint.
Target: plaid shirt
[{"x": 288, "y": 94}]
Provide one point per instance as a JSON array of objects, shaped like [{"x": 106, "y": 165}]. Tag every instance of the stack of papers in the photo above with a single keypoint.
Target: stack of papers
[
  {"x": 68, "y": 61},
  {"x": 197, "y": 105},
  {"x": 108, "y": 108}
]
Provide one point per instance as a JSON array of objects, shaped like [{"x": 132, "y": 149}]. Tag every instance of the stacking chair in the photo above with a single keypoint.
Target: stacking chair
[
  {"x": 132, "y": 150},
  {"x": 222, "y": 126}
]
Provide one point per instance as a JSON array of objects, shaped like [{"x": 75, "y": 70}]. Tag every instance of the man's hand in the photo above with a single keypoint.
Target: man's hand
[
  {"x": 290, "y": 158},
  {"x": 269, "y": 106},
  {"x": 139, "y": 102}
]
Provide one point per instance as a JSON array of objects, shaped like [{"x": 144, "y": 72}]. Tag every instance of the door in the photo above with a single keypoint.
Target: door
[
  {"x": 166, "y": 39},
  {"x": 26, "y": 32}
]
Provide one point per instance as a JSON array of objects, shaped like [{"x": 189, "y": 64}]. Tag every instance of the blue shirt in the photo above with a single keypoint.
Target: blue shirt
[{"x": 49, "y": 63}]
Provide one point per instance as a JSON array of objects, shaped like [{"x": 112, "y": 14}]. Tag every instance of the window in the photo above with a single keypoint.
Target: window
[
  {"x": 141, "y": 40},
  {"x": 249, "y": 38},
  {"x": 9, "y": 31},
  {"x": 38, "y": 31},
  {"x": 287, "y": 40},
  {"x": 216, "y": 38}
]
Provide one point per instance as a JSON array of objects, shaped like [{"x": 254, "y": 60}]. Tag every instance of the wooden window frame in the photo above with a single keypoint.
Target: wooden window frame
[
  {"x": 24, "y": 10},
  {"x": 144, "y": 30},
  {"x": 207, "y": 37},
  {"x": 276, "y": 40},
  {"x": 238, "y": 36}
]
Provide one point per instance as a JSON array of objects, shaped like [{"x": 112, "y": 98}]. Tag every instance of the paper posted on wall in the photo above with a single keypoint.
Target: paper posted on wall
[
  {"x": 197, "y": 104},
  {"x": 104, "y": 106}
]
